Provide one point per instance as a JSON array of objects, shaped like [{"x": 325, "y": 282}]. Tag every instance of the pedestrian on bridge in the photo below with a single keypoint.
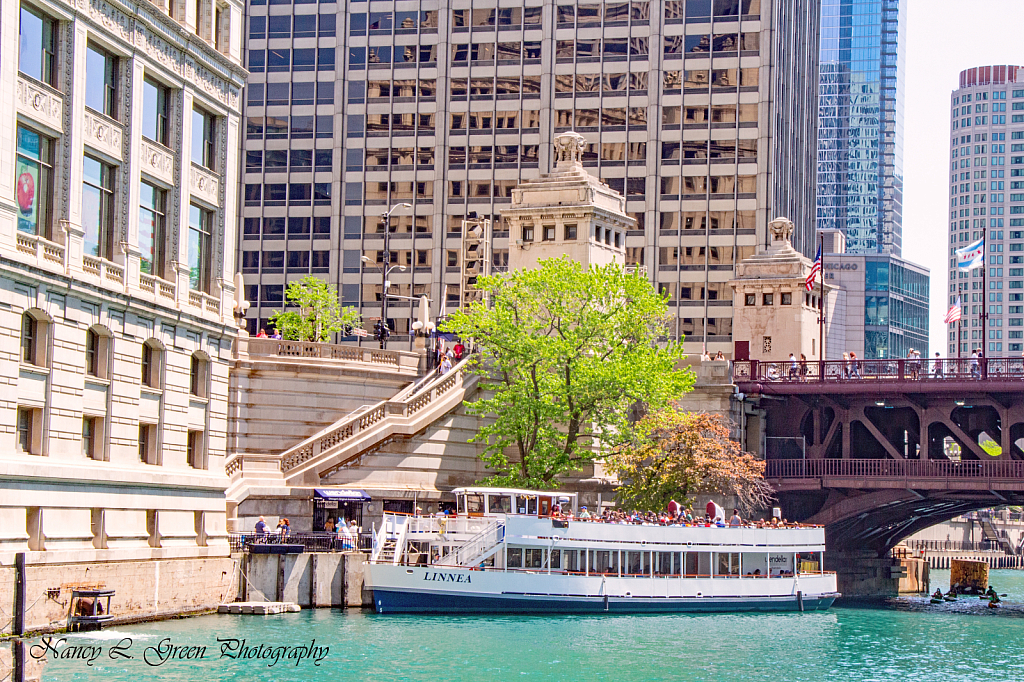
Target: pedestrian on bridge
[
  {"x": 854, "y": 369},
  {"x": 937, "y": 367},
  {"x": 975, "y": 366},
  {"x": 793, "y": 367}
]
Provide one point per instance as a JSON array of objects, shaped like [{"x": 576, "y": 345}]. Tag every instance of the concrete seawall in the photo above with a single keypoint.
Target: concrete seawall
[{"x": 311, "y": 580}]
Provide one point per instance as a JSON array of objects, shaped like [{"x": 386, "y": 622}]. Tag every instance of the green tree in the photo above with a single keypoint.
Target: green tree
[
  {"x": 675, "y": 455},
  {"x": 319, "y": 312},
  {"x": 565, "y": 355}
]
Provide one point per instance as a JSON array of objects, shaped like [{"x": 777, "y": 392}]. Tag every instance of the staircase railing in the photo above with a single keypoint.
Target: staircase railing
[
  {"x": 350, "y": 426},
  {"x": 477, "y": 548}
]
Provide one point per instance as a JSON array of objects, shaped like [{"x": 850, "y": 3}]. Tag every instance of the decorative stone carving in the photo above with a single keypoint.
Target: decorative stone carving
[
  {"x": 781, "y": 229},
  {"x": 157, "y": 161},
  {"x": 41, "y": 104},
  {"x": 102, "y": 134},
  {"x": 204, "y": 185},
  {"x": 569, "y": 149}
]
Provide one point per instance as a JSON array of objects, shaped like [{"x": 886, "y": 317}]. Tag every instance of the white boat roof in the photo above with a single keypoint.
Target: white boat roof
[{"x": 514, "y": 491}]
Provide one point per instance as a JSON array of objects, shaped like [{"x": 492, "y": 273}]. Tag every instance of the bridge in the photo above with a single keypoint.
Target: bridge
[{"x": 876, "y": 450}]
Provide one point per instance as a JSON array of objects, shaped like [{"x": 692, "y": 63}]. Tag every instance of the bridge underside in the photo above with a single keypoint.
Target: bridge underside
[{"x": 875, "y": 464}]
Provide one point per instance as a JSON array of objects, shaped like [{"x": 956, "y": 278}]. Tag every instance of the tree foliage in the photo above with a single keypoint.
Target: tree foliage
[
  {"x": 565, "y": 355},
  {"x": 319, "y": 312},
  {"x": 675, "y": 455}
]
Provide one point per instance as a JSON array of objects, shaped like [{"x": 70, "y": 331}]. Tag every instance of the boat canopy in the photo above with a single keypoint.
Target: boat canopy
[{"x": 485, "y": 501}]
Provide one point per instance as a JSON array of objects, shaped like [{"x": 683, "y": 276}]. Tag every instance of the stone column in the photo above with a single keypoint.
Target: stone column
[{"x": 9, "y": 23}]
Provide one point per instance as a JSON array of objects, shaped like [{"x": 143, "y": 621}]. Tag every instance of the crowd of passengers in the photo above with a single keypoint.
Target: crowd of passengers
[{"x": 673, "y": 517}]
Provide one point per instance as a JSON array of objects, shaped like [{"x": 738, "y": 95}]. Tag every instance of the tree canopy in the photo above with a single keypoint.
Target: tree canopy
[
  {"x": 675, "y": 455},
  {"x": 565, "y": 354},
  {"x": 319, "y": 312}
]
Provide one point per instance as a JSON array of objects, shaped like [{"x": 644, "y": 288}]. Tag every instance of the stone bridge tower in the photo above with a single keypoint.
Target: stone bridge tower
[{"x": 567, "y": 212}]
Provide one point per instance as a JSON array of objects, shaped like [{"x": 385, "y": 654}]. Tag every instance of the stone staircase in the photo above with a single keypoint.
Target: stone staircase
[{"x": 410, "y": 411}]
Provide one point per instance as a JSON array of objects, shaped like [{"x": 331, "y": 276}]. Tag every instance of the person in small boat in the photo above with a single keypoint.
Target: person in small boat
[
  {"x": 991, "y": 592},
  {"x": 938, "y": 594}
]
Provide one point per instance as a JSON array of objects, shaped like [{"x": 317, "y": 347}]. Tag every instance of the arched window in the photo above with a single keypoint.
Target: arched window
[
  {"x": 97, "y": 352},
  {"x": 199, "y": 375},
  {"x": 152, "y": 365},
  {"x": 35, "y": 337}
]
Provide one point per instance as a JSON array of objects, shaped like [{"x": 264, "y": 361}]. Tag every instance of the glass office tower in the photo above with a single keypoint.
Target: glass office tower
[
  {"x": 860, "y": 123},
  {"x": 700, "y": 112}
]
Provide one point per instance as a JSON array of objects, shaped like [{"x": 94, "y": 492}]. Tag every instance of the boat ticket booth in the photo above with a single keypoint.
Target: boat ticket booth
[{"x": 338, "y": 503}]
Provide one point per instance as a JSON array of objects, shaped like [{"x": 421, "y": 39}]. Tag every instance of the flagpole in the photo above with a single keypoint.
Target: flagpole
[
  {"x": 984, "y": 306},
  {"x": 821, "y": 311},
  {"x": 960, "y": 320}
]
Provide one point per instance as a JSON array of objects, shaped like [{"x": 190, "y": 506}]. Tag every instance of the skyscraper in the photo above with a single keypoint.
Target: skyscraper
[
  {"x": 860, "y": 123},
  {"x": 700, "y": 112},
  {"x": 983, "y": 140}
]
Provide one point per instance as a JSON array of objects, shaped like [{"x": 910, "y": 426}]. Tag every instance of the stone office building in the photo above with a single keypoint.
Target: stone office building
[
  {"x": 118, "y": 148},
  {"x": 702, "y": 113}
]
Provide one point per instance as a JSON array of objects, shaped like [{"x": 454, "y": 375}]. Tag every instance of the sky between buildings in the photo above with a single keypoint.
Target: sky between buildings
[{"x": 944, "y": 37}]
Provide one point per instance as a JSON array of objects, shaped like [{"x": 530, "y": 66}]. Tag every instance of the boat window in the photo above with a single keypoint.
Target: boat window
[
  {"x": 604, "y": 561},
  {"x": 755, "y": 563},
  {"x": 780, "y": 563},
  {"x": 462, "y": 504},
  {"x": 637, "y": 563},
  {"x": 499, "y": 504},
  {"x": 692, "y": 567},
  {"x": 667, "y": 563},
  {"x": 515, "y": 557},
  {"x": 570, "y": 560},
  {"x": 534, "y": 558},
  {"x": 728, "y": 563},
  {"x": 808, "y": 562},
  {"x": 474, "y": 503},
  {"x": 556, "y": 559}
]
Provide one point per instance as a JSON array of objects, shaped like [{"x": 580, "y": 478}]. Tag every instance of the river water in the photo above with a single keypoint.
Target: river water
[{"x": 903, "y": 639}]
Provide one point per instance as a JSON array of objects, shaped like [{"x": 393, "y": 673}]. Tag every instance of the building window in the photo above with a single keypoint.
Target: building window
[
  {"x": 101, "y": 81},
  {"x": 204, "y": 128},
  {"x": 34, "y": 340},
  {"x": 91, "y": 441},
  {"x": 98, "y": 208},
  {"x": 37, "y": 46},
  {"x": 30, "y": 423},
  {"x": 787, "y": 298},
  {"x": 527, "y": 233},
  {"x": 97, "y": 350},
  {"x": 199, "y": 230},
  {"x": 768, "y": 299},
  {"x": 34, "y": 177},
  {"x": 570, "y": 233},
  {"x": 152, "y": 361},
  {"x": 198, "y": 376},
  {"x": 549, "y": 233},
  {"x": 749, "y": 299},
  {"x": 196, "y": 449},
  {"x": 152, "y": 204},
  {"x": 155, "y": 110},
  {"x": 147, "y": 443}
]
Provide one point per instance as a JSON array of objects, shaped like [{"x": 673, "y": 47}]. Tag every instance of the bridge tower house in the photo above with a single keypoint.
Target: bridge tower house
[
  {"x": 567, "y": 212},
  {"x": 774, "y": 313}
]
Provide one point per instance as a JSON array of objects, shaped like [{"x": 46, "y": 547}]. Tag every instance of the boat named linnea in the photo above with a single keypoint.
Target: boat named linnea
[{"x": 507, "y": 552}]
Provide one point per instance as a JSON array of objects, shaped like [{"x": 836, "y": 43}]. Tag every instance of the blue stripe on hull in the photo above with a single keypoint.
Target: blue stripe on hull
[{"x": 389, "y": 601}]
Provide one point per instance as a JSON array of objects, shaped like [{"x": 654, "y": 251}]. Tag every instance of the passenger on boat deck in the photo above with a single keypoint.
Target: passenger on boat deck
[
  {"x": 584, "y": 514},
  {"x": 735, "y": 521}
]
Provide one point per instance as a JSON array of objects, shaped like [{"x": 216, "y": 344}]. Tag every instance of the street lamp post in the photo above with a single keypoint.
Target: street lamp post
[{"x": 384, "y": 271}]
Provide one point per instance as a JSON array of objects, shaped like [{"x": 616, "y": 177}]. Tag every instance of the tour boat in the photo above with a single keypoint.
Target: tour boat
[{"x": 513, "y": 551}]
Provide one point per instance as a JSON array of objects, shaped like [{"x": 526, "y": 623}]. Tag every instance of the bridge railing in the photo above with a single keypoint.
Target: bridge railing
[
  {"x": 878, "y": 371},
  {"x": 893, "y": 468}
]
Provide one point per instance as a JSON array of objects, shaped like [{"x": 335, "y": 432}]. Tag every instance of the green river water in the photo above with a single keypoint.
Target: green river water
[{"x": 903, "y": 639}]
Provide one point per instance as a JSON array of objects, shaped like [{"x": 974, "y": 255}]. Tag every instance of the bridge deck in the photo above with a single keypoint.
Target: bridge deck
[{"x": 990, "y": 375}]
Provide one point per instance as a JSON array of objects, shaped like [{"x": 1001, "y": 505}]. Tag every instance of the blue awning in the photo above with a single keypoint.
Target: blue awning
[{"x": 341, "y": 494}]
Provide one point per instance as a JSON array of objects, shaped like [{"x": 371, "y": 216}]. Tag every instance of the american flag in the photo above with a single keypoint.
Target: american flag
[
  {"x": 815, "y": 269},
  {"x": 953, "y": 314}
]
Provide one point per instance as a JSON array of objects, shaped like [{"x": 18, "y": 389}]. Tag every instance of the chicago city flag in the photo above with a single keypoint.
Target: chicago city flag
[{"x": 971, "y": 256}]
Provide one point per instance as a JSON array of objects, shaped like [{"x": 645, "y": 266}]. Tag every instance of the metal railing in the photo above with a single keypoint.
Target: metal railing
[
  {"x": 952, "y": 546},
  {"x": 878, "y": 371},
  {"x": 311, "y": 542},
  {"x": 894, "y": 468}
]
